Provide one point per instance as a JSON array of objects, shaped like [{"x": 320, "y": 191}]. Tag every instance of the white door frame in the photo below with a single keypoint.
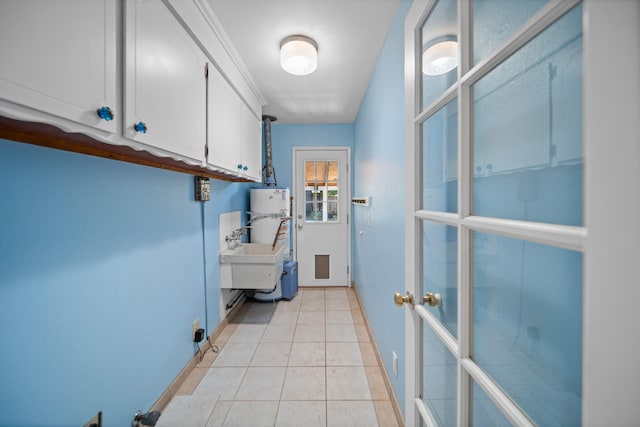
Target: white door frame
[
  {"x": 294, "y": 213},
  {"x": 611, "y": 341},
  {"x": 609, "y": 238}
]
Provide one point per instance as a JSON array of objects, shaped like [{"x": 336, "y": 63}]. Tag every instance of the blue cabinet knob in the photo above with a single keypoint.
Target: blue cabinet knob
[
  {"x": 140, "y": 127},
  {"x": 239, "y": 166},
  {"x": 246, "y": 168},
  {"x": 105, "y": 113}
]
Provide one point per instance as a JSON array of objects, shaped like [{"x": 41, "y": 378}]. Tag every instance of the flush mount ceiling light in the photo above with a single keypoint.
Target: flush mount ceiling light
[
  {"x": 298, "y": 55},
  {"x": 440, "y": 56}
]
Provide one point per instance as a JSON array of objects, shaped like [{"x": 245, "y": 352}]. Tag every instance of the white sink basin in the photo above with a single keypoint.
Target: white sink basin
[{"x": 251, "y": 266}]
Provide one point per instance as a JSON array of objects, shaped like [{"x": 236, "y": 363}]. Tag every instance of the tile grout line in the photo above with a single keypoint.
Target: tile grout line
[
  {"x": 353, "y": 302},
  {"x": 326, "y": 369}
]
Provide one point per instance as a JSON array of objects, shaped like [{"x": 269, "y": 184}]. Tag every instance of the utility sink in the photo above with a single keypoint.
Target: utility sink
[{"x": 251, "y": 266}]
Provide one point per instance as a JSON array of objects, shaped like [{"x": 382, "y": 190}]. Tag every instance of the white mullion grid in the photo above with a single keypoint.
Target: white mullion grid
[
  {"x": 420, "y": 409},
  {"x": 417, "y": 55},
  {"x": 425, "y": 413},
  {"x": 446, "y": 97},
  {"x": 418, "y": 229},
  {"x": 465, "y": 324},
  {"x": 413, "y": 90},
  {"x": 439, "y": 217},
  {"x": 465, "y": 182},
  {"x": 325, "y": 195},
  {"x": 424, "y": 316},
  {"x": 499, "y": 397},
  {"x": 532, "y": 28},
  {"x": 556, "y": 235},
  {"x": 567, "y": 237},
  {"x": 435, "y": 324},
  {"x": 561, "y": 236}
]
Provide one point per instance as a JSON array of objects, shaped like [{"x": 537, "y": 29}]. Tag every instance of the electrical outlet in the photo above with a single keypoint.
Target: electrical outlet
[
  {"x": 194, "y": 327},
  {"x": 395, "y": 363},
  {"x": 96, "y": 421}
]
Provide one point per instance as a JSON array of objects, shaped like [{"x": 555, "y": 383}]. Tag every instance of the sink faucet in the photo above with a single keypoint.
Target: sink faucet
[{"x": 233, "y": 241}]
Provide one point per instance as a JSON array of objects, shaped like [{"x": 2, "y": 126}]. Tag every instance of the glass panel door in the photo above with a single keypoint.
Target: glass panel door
[
  {"x": 440, "y": 385},
  {"x": 439, "y": 50},
  {"x": 521, "y": 163},
  {"x": 495, "y": 170},
  {"x": 527, "y": 324}
]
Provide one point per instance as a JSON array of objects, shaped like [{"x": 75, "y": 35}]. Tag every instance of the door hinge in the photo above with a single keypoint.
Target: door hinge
[
  {"x": 206, "y": 151},
  {"x": 347, "y": 270},
  {"x": 206, "y": 70}
]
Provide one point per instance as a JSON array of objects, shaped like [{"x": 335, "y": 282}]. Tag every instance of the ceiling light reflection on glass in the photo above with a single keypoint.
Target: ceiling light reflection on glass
[{"x": 440, "y": 56}]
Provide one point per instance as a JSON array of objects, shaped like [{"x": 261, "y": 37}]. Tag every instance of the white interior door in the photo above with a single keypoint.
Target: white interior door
[
  {"x": 321, "y": 216},
  {"x": 495, "y": 219}
]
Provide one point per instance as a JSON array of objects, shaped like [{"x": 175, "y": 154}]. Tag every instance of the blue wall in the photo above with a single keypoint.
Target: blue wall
[
  {"x": 102, "y": 272},
  {"x": 378, "y": 231},
  {"x": 285, "y": 137}
]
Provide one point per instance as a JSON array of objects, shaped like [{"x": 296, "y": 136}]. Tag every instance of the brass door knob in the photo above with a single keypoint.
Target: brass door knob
[
  {"x": 400, "y": 299},
  {"x": 434, "y": 300}
]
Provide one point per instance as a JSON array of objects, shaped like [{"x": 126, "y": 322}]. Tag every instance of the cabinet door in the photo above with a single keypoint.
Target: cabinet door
[
  {"x": 235, "y": 132},
  {"x": 251, "y": 129},
  {"x": 165, "y": 96},
  {"x": 224, "y": 139},
  {"x": 60, "y": 58}
]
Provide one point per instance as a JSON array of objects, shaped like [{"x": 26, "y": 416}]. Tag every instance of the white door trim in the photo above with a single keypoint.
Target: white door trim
[
  {"x": 611, "y": 374},
  {"x": 413, "y": 323},
  {"x": 294, "y": 212}
]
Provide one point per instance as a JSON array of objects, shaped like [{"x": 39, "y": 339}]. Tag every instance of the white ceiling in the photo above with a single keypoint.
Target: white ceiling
[{"x": 349, "y": 33}]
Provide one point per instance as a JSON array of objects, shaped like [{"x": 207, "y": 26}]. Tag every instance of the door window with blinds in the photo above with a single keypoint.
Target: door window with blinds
[
  {"x": 322, "y": 185},
  {"x": 495, "y": 158}
]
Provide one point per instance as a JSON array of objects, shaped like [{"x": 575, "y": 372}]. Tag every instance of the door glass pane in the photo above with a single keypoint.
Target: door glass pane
[
  {"x": 440, "y": 386},
  {"x": 484, "y": 412},
  {"x": 440, "y": 160},
  {"x": 439, "y": 50},
  {"x": 440, "y": 272},
  {"x": 527, "y": 130},
  {"x": 495, "y": 20},
  {"x": 321, "y": 191},
  {"x": 527, "y": 324}
]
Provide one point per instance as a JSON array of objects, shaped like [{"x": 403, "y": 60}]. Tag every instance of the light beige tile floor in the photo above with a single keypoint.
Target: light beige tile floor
[{"x": 304, "y": 362}]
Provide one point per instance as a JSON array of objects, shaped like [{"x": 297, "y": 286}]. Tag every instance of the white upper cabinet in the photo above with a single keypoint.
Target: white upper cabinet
[
  {"x": 132, "y": 73},
  {"x": 234, "y": 138},
  {"x": 165, "y": 85},
  {"x": 251, "y": 129},
  {"x": 59, "y": 57},
  {"x": 225, "y": 150}
]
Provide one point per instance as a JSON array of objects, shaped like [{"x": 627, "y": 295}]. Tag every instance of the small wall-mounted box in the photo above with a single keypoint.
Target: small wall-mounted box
[
  {"x": 362, "y": 201},
  {"x": 202, "y": 189}
]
